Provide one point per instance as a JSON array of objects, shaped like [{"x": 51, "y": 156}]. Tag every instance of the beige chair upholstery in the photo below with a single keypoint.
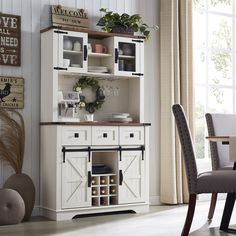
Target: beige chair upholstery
[{"x": 223, "y": 181}]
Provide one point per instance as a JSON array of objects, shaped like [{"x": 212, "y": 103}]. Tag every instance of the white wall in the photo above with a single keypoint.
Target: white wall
[{"x": 35, "y": 16}]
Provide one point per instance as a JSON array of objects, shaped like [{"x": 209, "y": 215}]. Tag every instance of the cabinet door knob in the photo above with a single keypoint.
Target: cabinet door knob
[
  {"x": 76, "y": 135},
  {"x": 104, "y": 135},
  {"x": 131, "y": 135}
]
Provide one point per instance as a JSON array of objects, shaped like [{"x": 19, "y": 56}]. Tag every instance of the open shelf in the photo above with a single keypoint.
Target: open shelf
[
  {"x": 72, "y": 52},
  {"x": 99, "y": 55},
  {"x": 126, "y": 57}
]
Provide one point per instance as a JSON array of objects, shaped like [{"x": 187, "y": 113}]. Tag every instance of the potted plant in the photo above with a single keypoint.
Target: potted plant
[
  {"x": 124, "y": 23},
  {"x": 12, "y": 147}
]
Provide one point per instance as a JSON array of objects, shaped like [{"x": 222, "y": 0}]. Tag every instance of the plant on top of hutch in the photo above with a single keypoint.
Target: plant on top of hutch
[{"x": 124, "y": 23}]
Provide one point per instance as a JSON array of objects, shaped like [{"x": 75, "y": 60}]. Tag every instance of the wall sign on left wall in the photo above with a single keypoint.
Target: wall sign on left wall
[
  {"x": 10, "y": 40},
  {"x": 11, "y": 92}
]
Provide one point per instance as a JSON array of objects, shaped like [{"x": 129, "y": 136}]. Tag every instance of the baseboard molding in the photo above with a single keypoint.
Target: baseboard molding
[
  {"x": 154, "y": 200},
  {"x": 36, "y": 211}
]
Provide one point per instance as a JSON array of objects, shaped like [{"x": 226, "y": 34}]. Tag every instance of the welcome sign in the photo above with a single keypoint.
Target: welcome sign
[
  {"x": 69, "y": 16},
  {"x": 10, "y": 40}
]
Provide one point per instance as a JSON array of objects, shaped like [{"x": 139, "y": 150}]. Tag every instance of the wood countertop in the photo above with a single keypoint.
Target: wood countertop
[{"x": 96, "y": 123}]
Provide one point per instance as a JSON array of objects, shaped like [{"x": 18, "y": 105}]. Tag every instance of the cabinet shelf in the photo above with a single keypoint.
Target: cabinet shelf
[
  {"x": 99, "y": 55},
  {"x": 97, "y": 75},
  {"x": 126, "y": 57},
  {"x": 72, "y": 52}
]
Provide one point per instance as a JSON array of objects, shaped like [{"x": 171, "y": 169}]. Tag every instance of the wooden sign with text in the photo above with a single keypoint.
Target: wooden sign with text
[
  {"x": 69, "y": 16},
  {"x": 10, "y": 40},
  {"x": 11, "y": 92}
]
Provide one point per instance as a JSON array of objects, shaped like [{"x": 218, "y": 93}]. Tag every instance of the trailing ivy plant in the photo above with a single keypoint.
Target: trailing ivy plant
[{"x": 125, "y": 23}]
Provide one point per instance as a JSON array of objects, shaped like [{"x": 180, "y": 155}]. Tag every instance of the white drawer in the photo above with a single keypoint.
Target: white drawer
[
  {"x": 104, "y": 135},
  {"x": 131, "y": 135},
  {"x": 76, "y": 135}
]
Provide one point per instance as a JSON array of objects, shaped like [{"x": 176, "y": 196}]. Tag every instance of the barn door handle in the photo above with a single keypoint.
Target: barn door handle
[
  {"x": 85, "y": 52},
  {"x": 89, "y": 179},
  {"x": 120, "y": 177},
  {"x": 116, "y": 55}
]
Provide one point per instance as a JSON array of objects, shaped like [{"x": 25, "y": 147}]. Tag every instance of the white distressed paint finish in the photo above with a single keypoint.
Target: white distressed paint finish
[{"x": 35, "y": 16}]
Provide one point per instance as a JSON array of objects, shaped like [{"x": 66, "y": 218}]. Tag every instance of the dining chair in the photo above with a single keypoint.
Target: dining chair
[
  {"x": 219, "y": 124},
  {"x": 220, "y": 181}
]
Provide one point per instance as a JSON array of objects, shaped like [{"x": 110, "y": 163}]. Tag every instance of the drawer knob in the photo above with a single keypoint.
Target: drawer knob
[
  {"x": 131, "y": 135},
  {"x": 104, "y": 135},
  {"x": 76, "y": 135}
]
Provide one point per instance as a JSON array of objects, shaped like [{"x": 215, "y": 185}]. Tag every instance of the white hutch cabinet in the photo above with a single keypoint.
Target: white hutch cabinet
[{"x": 71, "y": 150}]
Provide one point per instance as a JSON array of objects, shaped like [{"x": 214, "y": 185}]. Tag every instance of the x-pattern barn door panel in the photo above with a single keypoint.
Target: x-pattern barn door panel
[
  {"x": 131, "y": 167},
  {"x": 75, "y": 191}
]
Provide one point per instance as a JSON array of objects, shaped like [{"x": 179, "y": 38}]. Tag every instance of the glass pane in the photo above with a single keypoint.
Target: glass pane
[
  {"x": 220, "y": 68},
  {"x": 220, "y": 32},
  {"x": 200, "y": 102},
  {"x": 199, "y": 66},
  {"x": 127, "y": 57},
  {"x": 199, "y": 29},
  {"x": 220, "y": 100},
  {"x": 199, "y": 4},
  {"x": 223, "y": 6},
  {"x": 72, "y": 51}
]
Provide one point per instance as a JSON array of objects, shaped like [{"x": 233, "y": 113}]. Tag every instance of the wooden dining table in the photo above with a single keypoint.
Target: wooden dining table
[{"x": 230, "y": 200}]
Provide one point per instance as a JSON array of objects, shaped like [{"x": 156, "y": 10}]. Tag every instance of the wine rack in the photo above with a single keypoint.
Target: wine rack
[{"x": 104, "y": 190}]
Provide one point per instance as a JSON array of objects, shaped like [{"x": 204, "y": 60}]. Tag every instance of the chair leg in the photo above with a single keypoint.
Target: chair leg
[
  {"x": 212, "y": 206},
  {"x": 189, "y": 217}
]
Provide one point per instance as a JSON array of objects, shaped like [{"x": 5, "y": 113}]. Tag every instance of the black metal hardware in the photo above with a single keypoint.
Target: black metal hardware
[
  {"x": 104, "y": 135},
  {"x": 116, "y": 55},
  {"x": 225, "y": 142},
  {"x": 89, "y": 179},
  {"x": 137, "y": 40},
  {"x": 120, "y": 150},
  {"x": 89, "y": 149},
  {"x": 131, "y": 135},
  {"x": 142, "y": 149},
  {"x": 89, "y": 152},
  {"x": 64, "y": 154},
  {"x": 60, "y": 32},
  {"x": 76, "y": 135},
  {"x": 59, "y": 68},
  {"x": 138, "y": 74},
  {"x": 85, "y": 52},
  {"x": 120, "y": 177}
]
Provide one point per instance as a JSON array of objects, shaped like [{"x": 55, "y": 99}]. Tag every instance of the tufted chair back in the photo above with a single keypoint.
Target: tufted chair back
[
  {"x": 220, "y": 124},
  {"x": 187, "y": 147}
]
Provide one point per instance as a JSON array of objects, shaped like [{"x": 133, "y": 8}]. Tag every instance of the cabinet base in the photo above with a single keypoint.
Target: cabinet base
[{"x": 71, "y": 213}]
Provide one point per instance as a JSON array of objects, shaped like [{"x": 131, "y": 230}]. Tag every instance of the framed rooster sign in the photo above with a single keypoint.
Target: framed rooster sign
[{"x": 11, "y": 92}]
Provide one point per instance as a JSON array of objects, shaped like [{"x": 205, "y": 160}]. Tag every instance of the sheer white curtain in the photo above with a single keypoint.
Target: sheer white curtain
[{"x": 176, "y": 87}]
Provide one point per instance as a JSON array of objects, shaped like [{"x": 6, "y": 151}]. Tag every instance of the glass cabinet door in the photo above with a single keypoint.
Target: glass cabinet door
[
  {"x": 128, "y": 55},
  {"x": 72, "y": 51}
]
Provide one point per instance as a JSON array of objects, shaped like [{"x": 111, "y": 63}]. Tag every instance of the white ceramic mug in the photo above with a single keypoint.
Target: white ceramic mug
[
  {"x": 66, "y": 62},
  {"x": 88, "y": 117}
]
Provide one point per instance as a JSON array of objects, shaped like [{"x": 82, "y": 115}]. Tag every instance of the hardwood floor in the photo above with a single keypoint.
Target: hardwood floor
[{"x": 161, "y": 220}]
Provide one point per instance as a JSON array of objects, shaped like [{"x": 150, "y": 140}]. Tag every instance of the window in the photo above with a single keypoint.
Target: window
[{"x": 214, "y": 43}]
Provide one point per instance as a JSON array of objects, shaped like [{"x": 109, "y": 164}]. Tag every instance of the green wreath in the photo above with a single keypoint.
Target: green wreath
[{"x": 87, "y": 82}]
